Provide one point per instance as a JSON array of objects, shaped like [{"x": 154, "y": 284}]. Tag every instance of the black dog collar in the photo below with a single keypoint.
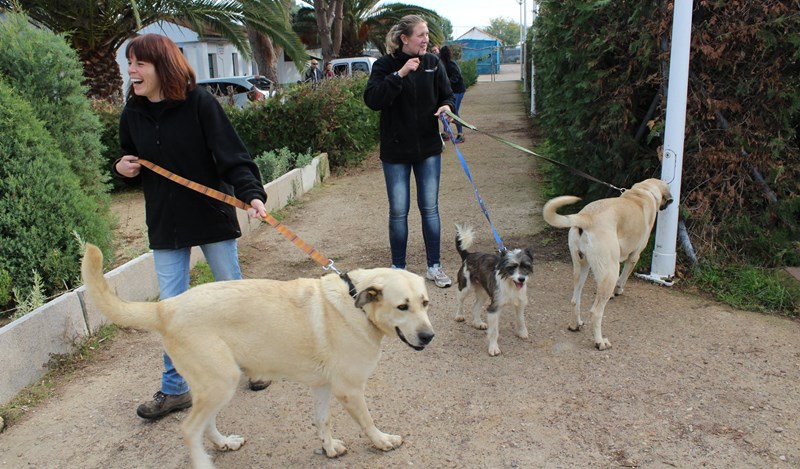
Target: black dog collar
[{"x": 351, "y": 287}]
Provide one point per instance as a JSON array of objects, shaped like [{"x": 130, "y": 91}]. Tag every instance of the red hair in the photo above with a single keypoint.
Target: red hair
[{"x": 174, "y": 72}]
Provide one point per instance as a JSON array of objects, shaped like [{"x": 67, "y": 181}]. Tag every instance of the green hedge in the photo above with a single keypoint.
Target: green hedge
[
  {"x": 330, "y": 117},
  {"x": 52, "y": 185}
]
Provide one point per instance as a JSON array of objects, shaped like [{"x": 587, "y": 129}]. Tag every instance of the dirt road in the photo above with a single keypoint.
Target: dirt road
[{"x": 688, "y": 382}]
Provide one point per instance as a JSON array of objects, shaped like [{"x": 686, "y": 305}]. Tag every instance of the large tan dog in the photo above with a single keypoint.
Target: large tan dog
[
  {"x": 321, "y": 332},
  {"x": 604, "y": 234}
]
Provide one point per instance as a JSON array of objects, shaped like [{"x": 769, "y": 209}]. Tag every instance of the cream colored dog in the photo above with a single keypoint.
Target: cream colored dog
[
  {"x": 604, "y": 234},
  {"x": 323, "y": 332}
]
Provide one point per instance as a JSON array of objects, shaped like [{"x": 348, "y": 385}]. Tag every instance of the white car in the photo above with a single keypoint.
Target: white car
[
  {"x": 239, "y": 90},
  {"x": 350, "y": 65}
]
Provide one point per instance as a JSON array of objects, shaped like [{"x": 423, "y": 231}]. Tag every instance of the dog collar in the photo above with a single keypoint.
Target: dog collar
[{"x": 351, "y": 287}]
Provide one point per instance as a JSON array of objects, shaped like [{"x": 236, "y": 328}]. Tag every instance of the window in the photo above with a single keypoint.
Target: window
[
  {"x": 235, "y": 61},
  {"x": 360, "y": 67},
  {"x": 212, "y": 70},
  {"x": 340, "y": 70}
]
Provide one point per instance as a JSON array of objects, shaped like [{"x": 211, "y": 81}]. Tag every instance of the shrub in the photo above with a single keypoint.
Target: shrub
[
  {"x": 109, "y": 113},
  {"x": 47, "y": 72},
  {"x": 42, "y": 203},
  {"x": 274, "y": 164},
  {"x": 330, "y": 117}
]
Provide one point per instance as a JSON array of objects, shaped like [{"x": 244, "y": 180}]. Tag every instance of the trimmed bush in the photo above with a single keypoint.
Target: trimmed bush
[
  {"x": 330, "y": 117},
  {"x": 42, "y": 203},
  {"x": 47, "y": 72}
]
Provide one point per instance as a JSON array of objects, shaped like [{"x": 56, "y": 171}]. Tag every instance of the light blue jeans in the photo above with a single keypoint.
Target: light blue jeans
[
  {"x": 398, "y": 187},
  {"x": 172, "y": 269}
]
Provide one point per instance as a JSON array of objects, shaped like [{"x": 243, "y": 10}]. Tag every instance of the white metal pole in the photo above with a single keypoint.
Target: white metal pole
[
  {"x": 523, "y": 45},
  {"x": 662, "y": 269},
  {"x": 521, "y": 66}
]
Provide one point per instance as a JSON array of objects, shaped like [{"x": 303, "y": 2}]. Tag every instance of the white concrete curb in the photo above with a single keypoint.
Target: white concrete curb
[{"x": 27, "y": 344}]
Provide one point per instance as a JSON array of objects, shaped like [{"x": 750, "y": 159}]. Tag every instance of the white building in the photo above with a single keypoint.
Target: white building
[{"x": 210, "y": 57}]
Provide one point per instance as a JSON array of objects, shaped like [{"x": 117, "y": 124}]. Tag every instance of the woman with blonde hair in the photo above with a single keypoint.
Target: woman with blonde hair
[{"x": 411, "y": 90}]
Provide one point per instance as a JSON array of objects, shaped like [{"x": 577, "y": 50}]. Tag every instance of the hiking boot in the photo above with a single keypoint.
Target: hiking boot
[
  {"x": 444, "y": 136},
  {"x": 162, "y": 404},
  {"x": 259, "y": 385},
  {"x": 459, "y": 139},
  {"x": 438, "y": 276}
]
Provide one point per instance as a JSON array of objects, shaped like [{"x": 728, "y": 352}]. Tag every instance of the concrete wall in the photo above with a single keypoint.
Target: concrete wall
[{"x": 27, "y": 344}]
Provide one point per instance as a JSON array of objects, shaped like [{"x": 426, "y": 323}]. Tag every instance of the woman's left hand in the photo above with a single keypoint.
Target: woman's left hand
[
  {"x": 443, "y": 110},
  {"x": 257, "y": 209}
]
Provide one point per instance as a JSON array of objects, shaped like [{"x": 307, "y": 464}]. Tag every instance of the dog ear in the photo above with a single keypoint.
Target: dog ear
[
  {"x": 368, "y": 296},
  {"x": 529, "y": 252}
]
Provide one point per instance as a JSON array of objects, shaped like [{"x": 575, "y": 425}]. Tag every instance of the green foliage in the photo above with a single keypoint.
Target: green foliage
[
  {"x": 274, "y": 164},
  {"x": 469, "y": 71},
  {"x": 41, "y": 203},
  {"x": 330, "y": 117},
  {"x": 599, "y": 72},
  {"x": 751, "y": 288},
  {"x": 46, "y": 72},
  {"x": 109, "y": 113},
  {"x": 200, "y": 274},
  {"x": 504, "y": 28},
  {"x": 5, "y": 287},
  {"x": 28, "y": 301}
]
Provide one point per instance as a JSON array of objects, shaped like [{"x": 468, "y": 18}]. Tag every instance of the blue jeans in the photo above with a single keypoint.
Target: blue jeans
[
  {"x": 398, "y": 188},
  {"x": 459, "y": 97},
  {"x": 172, "y": 269}
]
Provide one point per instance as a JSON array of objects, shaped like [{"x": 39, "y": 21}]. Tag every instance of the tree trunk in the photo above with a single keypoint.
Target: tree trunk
[
  {"x": 338, "y": 21},
  {"x": 102, "y": 74},
  {"x": 324, "y": 18},
  {"x": 264, "y": 55}
]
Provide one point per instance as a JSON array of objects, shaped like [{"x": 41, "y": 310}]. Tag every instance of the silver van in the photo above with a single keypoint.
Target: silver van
[{"x": 348, "y": 66}]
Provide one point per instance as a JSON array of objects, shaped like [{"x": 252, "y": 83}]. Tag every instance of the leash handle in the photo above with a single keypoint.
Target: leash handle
[
  {"x": 230, "y": 200},
  {"x": 500, "y": 246},
  {"x": 520, "y": 148}
]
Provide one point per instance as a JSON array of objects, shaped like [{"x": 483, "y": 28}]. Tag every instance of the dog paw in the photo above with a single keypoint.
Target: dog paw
[
  {"x": 387, "y": 442},
  {"x": 480, "y": 325},
  {"x": 336, "y": 448},
  {"x": 618, "y": 291},
  {"x": 522, "y": 333},
  {"x": 575, "y": 327},
  {"x": 494, "y": 351},
  {"x": 603, "y": 344},
  {"x": 459, "y": 318},
  {"x": 231, "y": 443}
]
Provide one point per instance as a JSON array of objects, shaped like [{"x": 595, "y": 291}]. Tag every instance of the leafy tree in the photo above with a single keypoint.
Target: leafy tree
[
  {"x": 506, "y": 29},
  {"x": 363, "y": 21},
  {"x": 97, "y": 29}
]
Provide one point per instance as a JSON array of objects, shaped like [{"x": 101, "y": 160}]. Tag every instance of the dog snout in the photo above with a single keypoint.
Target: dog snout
[{"x": 425, "y": 337}]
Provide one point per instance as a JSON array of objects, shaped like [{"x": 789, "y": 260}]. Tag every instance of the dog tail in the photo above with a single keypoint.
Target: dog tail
[
  {"x": 464, "y": 239},
  {"x": 141, "y": 315},
  {"x": 549, "y": 212}
]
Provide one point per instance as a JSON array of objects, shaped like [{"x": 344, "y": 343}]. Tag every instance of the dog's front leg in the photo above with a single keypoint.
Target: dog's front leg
[
  {"x": 522, "y": 328},
  {"x": 626, "y": 273},
  {"x": 322, "y": 419},
  {"x": 580, "y": 271},
  {"x": 356, "y": 405}
]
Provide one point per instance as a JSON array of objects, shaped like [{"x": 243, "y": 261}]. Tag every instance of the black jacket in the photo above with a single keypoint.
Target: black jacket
[
  {"x": 409, "y": 129},
  {"x": 454, "y": 74},
  {"x": 193, "y": 139}
]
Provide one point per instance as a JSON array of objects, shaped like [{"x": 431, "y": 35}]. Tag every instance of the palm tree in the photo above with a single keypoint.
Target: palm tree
[
  {"x": 362, "y": 22},
  {"x": 97, "y": 28}
]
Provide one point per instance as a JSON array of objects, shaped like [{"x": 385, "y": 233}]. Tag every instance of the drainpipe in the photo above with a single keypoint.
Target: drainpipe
[{"x": 662, "y": 269}]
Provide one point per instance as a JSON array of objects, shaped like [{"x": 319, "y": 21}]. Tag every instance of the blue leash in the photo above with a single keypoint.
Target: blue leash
[{"x": 500, "y": 246}]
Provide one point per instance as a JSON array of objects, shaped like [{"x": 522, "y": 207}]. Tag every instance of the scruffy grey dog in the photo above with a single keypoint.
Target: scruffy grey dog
[{"x": 502, "y": 278}]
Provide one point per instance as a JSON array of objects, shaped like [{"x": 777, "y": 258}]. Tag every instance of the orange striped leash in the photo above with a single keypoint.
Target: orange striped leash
[{"x": 326, "y": 263}]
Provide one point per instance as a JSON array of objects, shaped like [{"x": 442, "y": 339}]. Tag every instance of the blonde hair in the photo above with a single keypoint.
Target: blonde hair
[{"x": 405, "y": 26}]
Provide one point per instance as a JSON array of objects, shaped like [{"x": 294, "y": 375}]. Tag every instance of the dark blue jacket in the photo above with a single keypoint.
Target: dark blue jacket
[
  {"x": 409, "y": 129},
  {"x": 193, "y": 139}
]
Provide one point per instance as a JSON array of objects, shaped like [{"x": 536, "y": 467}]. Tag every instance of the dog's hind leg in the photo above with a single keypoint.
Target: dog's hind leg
[
  {"x": 477, "y": 308},
  {"x": 461, "y": 296},
  {"x": 212, "y": 378},
  {"x": 322, "y": 419},
  {"x": 493, "y": 318},
  {"x": 352, "y": 398},
  {"x": 580, "y": 271},
  {"x": 605, "y": 289}
]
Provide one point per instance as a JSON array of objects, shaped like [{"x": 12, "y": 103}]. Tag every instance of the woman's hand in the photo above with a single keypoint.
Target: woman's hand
[
  {"x": 128, "y": 167},
  {"x": 257, "y": 209}
]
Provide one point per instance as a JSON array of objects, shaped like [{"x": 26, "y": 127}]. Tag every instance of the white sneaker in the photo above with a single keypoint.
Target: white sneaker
[{"x": 438, "y": 276}]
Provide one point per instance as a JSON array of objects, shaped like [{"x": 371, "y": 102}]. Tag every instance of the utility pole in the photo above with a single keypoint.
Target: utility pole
[{"x": 662, "y": 268}]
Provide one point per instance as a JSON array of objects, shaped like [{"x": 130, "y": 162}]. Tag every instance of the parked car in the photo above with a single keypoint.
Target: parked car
[
  {"x": 350, "y": 65},
  {"x": 239, "y": 90}
]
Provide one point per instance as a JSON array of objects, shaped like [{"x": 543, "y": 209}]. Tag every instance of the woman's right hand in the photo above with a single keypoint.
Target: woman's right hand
[{"x": 128, "y": 167}]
